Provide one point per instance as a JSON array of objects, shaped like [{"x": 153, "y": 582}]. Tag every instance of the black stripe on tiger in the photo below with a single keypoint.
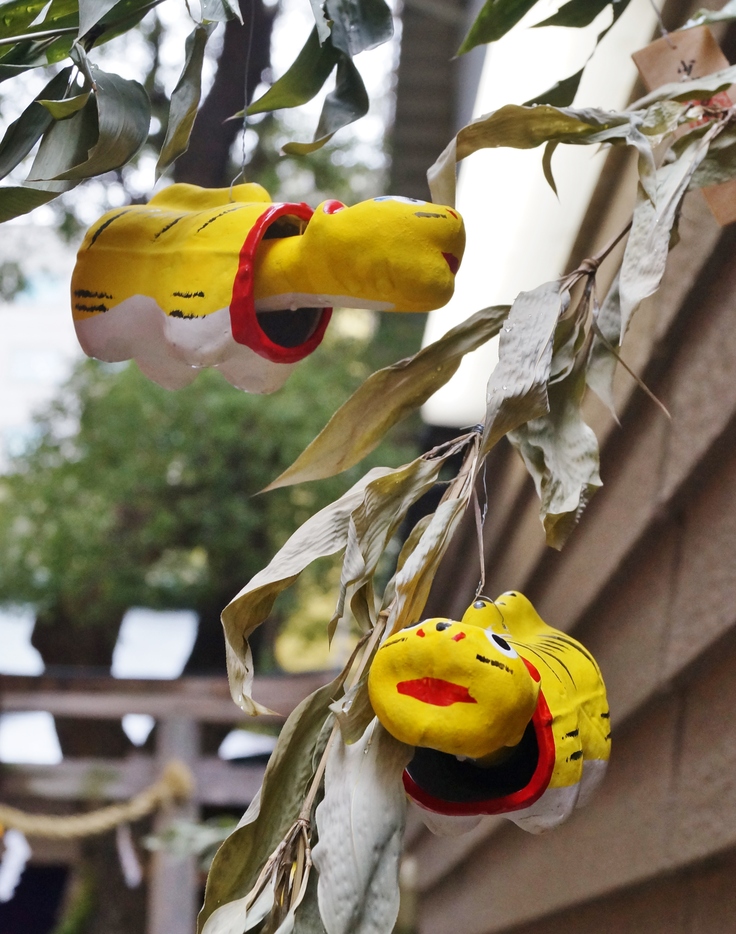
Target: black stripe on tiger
[
  {"x": 104, "y": 226},
  {"x": 168, "y": 226},
  {"x": 85, "y": 293},
  {"x": 213, "y": 219},
  {"x": 79, "y": 307},
  {"x": 188, "y": 294},
  {"x": 574, "y": 756}
]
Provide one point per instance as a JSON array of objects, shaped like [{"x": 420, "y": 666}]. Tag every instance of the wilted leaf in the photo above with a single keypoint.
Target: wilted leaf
[
  {"x": 354, "y": 712},
  {"x": 517, "y": 389},
  {"x": 17, "y": 200},
  {"x": 308, "y": 919},
  {"x": 522, "y": 128},
  {"x": 601, "y": 361},
  {"x": 185, "y": 98},
  {"x": 696, "y": 89},
  {"x": 494, "y": 20},
  {"x": 22, "y": 135},
  {"x": 561, "y": 454},
  {"x": 359, "y": 25},
  {"x": 719, "y": 165},
  {"x": 705, "y": 17},
  {"x": 360, "y": 822},
  {"x": 386, "y": 397},
  {"x": 376, "y": 519},
  {"x": 412, "y": 583},
  {"x": 343, "y": 105},
  {"x": 646, "y": 251},
  {"x": 288, "y": 774},
  {"x": 323, "y": 534},
  {"x": 304, "y": 79}
]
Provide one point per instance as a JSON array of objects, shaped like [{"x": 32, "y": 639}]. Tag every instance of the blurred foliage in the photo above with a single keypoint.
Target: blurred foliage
[{"x": 130, "y": 495}]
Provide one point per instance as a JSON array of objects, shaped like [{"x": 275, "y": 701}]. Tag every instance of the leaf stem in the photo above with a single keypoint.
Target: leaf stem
[{"x": 41, "y": 34}]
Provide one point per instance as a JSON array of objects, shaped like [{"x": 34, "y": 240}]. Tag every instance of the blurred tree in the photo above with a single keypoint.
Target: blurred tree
[{"x": 130, "y": 495}]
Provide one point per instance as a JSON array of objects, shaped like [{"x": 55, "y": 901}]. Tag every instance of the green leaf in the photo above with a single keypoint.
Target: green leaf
[
  {"x": 304, "y": 79},
  {"x": 576, "y": 13},
  {"x": 323, "y": 534},
  {"x": 18, "y": 200},
  {"x": 345, "y": 104},
  {"x": 124, "y": 115},
  {"x": 220, "y": 11},
  {"x": 288, "y": 773},
  {"x": 517, "y": 389},
  {"x": 494, "y": 21},
  {"x": 359, "y": 25},
  {"x": 320, "y": 19},
  {"x": 561, "y": 94},
  {"x": 719, "y": 165},
  {"x": 65, "y": 144},
  {"x": 561, "y": 454},
  {"x": 388, "y": 396},
  {"x": 67, "y": 106},
  {"x": 22, "y": 135},
  {"x": 91, "y": 12},
  {"x": 17, "y": 15},
  {"x": 185, "y": 99},
  {"x": 549, "y": 151},
  {"x": 360, "y": 824}
]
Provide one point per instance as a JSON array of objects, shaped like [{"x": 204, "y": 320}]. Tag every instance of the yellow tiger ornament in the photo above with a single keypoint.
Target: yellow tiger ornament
[
  {"x": 508, "y": 715},
  {"x": 225, "y": 278}
]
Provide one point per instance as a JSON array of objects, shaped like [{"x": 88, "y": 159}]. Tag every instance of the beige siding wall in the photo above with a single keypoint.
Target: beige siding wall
[{"x": 648, "y": 582}]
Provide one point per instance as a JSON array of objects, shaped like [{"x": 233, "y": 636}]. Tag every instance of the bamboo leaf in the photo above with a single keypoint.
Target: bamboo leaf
[
  {"x": 345, "y": 104},
  {"x": 561, "y": 454},
  {"x": 65, "y": 144},
  {"x": 91, "y": 12},
  {"x": 576, "y": 13},
  {"x": 719, "y": 165},
  {"x": 360, "y": 822},
  {"x": 601, "y": 367},
  {"x": 322, "y": 23},
  {"x": 307, "y": 919},
  {"x": 359, "y": 25},
  {"x": 646, "y": 251},
  {"x": 185, "y": 98},
  {"x": 66, "y": 107},
  {"x": 290, "y": 769},
  {"x": 695, "y": 90},
  {"x": 354, "y": 712},
  {"x": 323, "y": 534},
  {"x": 17, "y": 200},
  {"x": 549, "y": 151},
  {"x": 220, "y": 11},
  {"x": 22, "y": 135},
  {"x": 517, "y": 389},
  {"x": 309, "y": 71},
  {"x": 706, "y": 17},
  {"x": 386, "y": 397},
  {"x": 124, "y": 115},
  {"x": 494, "y": 21},
  {"x": 561, "y": 94}
]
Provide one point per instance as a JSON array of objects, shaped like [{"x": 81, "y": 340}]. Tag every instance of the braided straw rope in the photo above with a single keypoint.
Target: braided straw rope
[{"x": 176, "y": 784}]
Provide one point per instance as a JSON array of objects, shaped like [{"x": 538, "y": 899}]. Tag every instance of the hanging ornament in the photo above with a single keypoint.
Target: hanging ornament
[
  {"x": 225, "y": 278},
  {"x": 509, "y": 716}
]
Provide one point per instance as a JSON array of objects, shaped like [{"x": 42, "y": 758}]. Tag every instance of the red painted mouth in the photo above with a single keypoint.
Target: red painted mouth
[
  {"x": 453, "y": 262},
  {"x": 435, "y": 691}
]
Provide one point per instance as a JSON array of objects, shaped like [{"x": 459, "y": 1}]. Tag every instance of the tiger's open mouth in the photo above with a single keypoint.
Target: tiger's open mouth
[{"x": 435, "y": 691}]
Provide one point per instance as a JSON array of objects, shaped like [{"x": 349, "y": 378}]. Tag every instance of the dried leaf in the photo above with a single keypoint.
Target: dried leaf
[
  {"x": 289, "y": 771},
  {"x": 601, "y": 367},
  {"x": 185, "y": 98},
  {"x": 323, "y": 534},
  {"x": 695, "y": 90},
  {"x": 646, "y": 251},
  {"x": 354, "y": 712},
  {"x": 561, "y": 454},
  {"x": 705, "y": 17},
  {"x": 719, "y": 165},
  {"x": 386, "y": 397},
  {"x": 360, "y": 822},
  {"x": 517, "y": 389}
]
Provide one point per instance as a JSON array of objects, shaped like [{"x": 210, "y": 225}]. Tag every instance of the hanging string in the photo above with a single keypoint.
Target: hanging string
[
  {"x": 249, "y": 49},
  {"x": 662, "y": 27},
  {"x": 480, "y": 520}
]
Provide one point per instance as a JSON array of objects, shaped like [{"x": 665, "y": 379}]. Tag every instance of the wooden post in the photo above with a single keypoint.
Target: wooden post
[{"x": 173, "y": 892}]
